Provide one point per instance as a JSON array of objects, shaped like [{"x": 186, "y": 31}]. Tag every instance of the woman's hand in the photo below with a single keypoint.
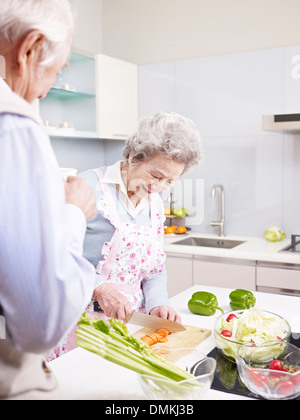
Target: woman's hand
[
  {"x": 166, "y": 312},
  {"x": 113, "y": 303}
]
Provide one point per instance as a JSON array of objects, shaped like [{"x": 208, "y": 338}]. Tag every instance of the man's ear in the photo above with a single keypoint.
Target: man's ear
[{"x": 29, "y": 51}]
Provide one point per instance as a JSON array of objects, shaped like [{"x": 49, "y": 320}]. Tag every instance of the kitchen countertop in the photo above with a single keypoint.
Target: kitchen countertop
[
  {"x": 86, "y": 376},
  {"x": 253, "y": 249}
]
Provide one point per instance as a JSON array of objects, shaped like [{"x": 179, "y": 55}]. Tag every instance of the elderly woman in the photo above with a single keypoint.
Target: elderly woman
[
  {"x": 45, "y": 283},
  {"x": 124, "y": 241}
]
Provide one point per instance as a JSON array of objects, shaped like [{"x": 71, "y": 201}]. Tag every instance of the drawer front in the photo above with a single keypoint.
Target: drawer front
[
  {"x": 224, "y": 275},
  {"x": 180, "y": 273},
  {"x": 278, "y": 278}
]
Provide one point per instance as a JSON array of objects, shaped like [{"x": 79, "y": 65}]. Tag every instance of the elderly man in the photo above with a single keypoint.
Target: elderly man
[{"x": 45, "y": 283}]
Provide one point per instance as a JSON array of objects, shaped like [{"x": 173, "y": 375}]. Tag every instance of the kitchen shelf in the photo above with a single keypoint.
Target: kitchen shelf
[
  {"x": 64, "y": 94},
  {"x": 73, "y": 92},
  {"x": 97, "y": 95},
  {"x": 78, "y": 56},
  {"x": 289, "y": 123},
  {"x": 69, "y": 133}
]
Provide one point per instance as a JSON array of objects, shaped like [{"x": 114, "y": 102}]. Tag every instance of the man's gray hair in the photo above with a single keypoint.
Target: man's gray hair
[
  {"x": 166, "y": 134},
  {"x": 53, "y": 18}
]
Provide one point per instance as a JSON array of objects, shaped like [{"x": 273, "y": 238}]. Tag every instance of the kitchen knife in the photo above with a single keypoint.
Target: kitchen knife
[{"x": 154, "y": 322}]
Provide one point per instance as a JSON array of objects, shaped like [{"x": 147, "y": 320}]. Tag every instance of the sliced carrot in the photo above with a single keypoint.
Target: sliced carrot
[
  {"x": 163, "y": 332},
  {"x": 147, "y": 340},
  {"x": 154, "y": 337}
]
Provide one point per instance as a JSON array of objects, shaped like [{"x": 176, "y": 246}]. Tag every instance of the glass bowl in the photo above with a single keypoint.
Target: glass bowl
[
  {"x": 229, "y": 347},
  {"x": 190, "y": 360},
  {"x": 253, "y": 363}
]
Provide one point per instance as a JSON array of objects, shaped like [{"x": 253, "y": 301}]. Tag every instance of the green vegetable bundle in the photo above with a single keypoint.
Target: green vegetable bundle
[{"x": 114, "y": 343}]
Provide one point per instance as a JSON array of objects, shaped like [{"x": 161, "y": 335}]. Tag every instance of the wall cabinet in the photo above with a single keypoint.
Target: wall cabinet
[
  {"x": 117, "y": 97},
  {"x": 94, "y": 97},
  {"x": 72, "y": 100},
  {"x": 180, "y": 272},
  {"x": 224, "y": 273}
]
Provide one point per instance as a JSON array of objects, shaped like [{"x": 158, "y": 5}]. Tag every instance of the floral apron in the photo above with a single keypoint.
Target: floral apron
[{"x": 134, "y": 254}]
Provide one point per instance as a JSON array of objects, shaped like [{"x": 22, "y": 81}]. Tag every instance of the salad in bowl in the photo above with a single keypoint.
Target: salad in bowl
[{"x": 253, "y": 325}]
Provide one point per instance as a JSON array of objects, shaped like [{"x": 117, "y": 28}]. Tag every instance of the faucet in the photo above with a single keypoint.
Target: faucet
[{"x": 220, "y": 223}]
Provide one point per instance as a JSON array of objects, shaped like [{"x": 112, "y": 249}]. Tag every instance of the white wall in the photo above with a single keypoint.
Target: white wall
[
  {"x": 149, "y": 31},
  {"x": 226, "y": 96},
  {"x": 88, "y": 34}
]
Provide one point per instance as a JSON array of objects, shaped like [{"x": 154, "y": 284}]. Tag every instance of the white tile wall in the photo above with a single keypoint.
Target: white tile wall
[{"x": 226, "y": 96}]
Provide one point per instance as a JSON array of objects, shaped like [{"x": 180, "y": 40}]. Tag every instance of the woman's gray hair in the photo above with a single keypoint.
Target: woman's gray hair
[
  {"x": 53, "y": 18},
  {"x": 166, "y": 134}
]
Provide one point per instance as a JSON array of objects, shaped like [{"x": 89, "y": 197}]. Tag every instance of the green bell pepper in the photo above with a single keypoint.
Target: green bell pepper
[
  {"x": 204, "y": 303},
  {"x": 241, "y": 299}
]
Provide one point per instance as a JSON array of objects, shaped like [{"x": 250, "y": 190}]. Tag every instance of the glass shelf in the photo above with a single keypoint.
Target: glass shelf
[
  {"x": 76, "y": 57},
  {"x": 64, "y": 95},
  {"x": 54, "y": 132}
]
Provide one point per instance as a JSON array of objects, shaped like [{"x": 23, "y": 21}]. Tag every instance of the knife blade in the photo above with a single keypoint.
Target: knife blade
[{"x": 138, "y": 318}]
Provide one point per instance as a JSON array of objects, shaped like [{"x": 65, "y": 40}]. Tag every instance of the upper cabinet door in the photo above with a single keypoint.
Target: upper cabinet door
[{"x": 117, "y": 97}]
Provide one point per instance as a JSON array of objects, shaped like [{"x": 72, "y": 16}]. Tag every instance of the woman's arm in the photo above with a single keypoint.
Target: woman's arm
[{"x": 155, "y": 291}]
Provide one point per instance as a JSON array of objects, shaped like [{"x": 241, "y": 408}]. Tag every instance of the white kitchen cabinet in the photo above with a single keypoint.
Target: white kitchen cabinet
[
  {"x": 117, "y": 97},
  {"x": 180, "y": 272},
  {"x": 96, "y": 95},
  {"x": 278, "y": 278},
  {"x": 223, "y": 272},
  {"x": 72, "y": 100}
]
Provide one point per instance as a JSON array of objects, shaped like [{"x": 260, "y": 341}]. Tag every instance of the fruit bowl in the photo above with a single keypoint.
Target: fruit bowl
[
  {"x": 258, "y": 367},
  {"x": 195, "y": 362},
  {"x": 229, "y": 346}
]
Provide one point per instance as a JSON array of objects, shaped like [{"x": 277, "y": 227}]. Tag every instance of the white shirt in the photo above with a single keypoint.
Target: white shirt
[
  {"x": 113, "y": 176},
  {"x": 45, "y": 283}
]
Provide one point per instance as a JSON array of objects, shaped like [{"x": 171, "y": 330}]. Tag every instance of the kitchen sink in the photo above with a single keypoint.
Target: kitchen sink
[{"x": 209, "y": 242}]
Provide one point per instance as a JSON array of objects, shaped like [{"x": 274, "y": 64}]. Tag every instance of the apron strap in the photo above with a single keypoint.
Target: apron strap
[
  {"x": 114, "y": 216},
  {"x": 107, "y": 266}
]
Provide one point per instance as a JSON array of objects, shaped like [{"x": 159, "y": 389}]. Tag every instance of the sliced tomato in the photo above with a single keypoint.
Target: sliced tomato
[
  {"x": 226, "y": 333},
  {"x": 230, "y": 317}
]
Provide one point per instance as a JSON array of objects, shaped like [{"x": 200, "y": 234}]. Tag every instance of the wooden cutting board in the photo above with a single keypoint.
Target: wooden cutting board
[{"x": 184, "y": 340}]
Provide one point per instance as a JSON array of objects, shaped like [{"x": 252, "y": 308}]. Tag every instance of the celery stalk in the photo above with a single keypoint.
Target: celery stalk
[{"x": 119, "y": 347}]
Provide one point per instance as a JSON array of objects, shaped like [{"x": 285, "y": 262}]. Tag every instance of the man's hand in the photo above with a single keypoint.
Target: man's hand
[
  {"x": 113, "y": 303},
  {"x": 166, "y": 312},
  {"x": 81, "y": 195}
]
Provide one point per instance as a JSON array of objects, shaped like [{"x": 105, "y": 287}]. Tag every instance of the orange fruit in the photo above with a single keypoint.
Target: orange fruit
[
  {"x": 181, "y": 229},
  {"x": 170, "y": 229}
]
